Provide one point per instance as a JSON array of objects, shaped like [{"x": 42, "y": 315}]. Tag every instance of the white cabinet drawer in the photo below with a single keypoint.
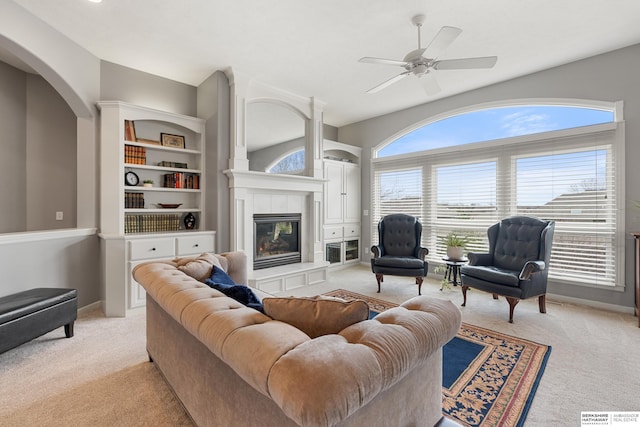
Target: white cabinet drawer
[
  {"x": 351, "y": 230},
  {"x": 151, "y": 248},
  {"x": 333, "y": 232},
  {"x": 194, "y": 245}
]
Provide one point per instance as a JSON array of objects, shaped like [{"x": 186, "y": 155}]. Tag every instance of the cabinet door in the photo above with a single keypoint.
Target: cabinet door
[
  {"x": 352, "y": 190},
  {"x": 333, "y": 252},
  {"x": 351, "y": 250},
  {"x": 333, "y": 195}
]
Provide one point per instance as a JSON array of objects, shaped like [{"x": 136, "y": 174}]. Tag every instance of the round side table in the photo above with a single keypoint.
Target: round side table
[{"x": 452, "y": 272}]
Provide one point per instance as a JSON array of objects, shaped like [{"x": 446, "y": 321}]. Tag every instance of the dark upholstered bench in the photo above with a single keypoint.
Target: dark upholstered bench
[{"x": 29, "y": 314}]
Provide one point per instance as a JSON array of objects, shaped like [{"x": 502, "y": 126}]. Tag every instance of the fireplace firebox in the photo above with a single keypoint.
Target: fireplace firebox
[{"x": 276, "y": 240}]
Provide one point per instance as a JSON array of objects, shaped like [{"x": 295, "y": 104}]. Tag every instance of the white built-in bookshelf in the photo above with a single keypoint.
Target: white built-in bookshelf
[{"x": 140, "y": 223}]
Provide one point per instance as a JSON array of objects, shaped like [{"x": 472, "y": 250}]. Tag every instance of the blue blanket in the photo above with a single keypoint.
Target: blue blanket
[{"x": 222, "y": 282}]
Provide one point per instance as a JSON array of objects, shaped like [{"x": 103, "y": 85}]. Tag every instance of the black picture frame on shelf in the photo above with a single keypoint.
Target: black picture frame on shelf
[{"x": 173, "y": 141}]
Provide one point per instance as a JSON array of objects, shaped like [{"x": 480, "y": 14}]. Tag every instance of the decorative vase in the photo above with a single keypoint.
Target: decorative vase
[
  {"x": 189, "y": 221},
  {"x": 455, "y": 252}
]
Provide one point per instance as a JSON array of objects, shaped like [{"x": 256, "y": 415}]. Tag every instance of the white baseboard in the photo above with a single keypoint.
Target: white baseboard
[
  {"x": 90, "y": 307},
  {"x": 595, "y": 304}
]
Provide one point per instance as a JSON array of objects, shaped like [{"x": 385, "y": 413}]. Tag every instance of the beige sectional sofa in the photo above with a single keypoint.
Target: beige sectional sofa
[{"x": 231, "y": 365}]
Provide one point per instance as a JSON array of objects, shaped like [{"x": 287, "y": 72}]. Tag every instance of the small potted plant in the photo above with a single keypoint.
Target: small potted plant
[
  {"x": 147, "y": 183},
  {"x": 455, "y": 243},
  {"x": 444, "y": 283}
]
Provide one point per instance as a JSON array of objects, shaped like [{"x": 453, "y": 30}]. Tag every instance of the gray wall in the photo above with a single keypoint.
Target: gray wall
[
  {"x": 13, "y": 122},
  {"x": 38, "y": 152},
  {"x": 330, "y": 132},
  {"x": 118, "y": 83},
  {"x": 64, "y": 262},
  {"x": 50, "y": 158},
  {"x": 613, "y": 76}
]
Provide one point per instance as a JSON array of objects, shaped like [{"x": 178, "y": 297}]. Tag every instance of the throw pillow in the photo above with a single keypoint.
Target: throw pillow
[
  {"x": 316, "y": 316},
  {"x": 222, "y": 282},
  {"x": 199, "y": 268}
]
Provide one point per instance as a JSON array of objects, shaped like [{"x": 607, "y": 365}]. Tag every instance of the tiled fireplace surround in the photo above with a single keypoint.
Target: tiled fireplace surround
[{"x": 261, "y": 193}]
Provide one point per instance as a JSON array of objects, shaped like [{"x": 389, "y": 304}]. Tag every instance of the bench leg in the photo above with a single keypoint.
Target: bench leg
[{"x": 68, "y": 329}]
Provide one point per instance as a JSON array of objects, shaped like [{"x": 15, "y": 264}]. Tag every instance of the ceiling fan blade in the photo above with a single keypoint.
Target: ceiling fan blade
[
  {"x": 430, "y": 84},
  {"x": 414, "y": 54},
  {"x": 466, "y": 63},
  {"x": 441, "y": 41},
  {"x": 389, "y": 82},
  {"x": 370, "y": 60}
]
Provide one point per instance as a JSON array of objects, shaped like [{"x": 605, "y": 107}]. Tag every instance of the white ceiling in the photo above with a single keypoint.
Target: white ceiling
[{"x": 312, "y": 48}]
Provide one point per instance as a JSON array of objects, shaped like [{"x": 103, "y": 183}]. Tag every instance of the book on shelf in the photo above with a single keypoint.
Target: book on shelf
[
  {"x": 181, "y": 180},
  {"x": 178, "y": 165},
  {"x": 151, "y": 223},
  {"x": 129, "y": 130},
  {"x": 133, "y": 200},
  {"x": 135, "y": 155}
]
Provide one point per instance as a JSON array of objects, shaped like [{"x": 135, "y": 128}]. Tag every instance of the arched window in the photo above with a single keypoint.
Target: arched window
[
  {"x": 292, "y": 164},
  {"x": 464, "y": 172},
  {"x": 495, "y": 123}
]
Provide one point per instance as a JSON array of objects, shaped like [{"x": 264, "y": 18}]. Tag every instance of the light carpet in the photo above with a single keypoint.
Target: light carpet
[
  {"x": 489, "y": 378},
  {"x": 99, "y": 377}
]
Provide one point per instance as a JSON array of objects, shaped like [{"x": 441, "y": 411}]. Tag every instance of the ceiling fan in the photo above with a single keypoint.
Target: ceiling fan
[{"x": 421, "y": 62}]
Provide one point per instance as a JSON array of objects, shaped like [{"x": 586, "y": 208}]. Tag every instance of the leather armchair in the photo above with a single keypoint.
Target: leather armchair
[
  {"x": 399, "y": 252},
  {"x": 517, "y": 264}
]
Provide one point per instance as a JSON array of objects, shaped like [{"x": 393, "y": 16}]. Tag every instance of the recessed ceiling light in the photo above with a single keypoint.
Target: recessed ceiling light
[{"x": 95, "y": 1}]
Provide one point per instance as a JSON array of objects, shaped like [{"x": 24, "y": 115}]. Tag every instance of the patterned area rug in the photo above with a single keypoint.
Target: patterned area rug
[{"x": 489, "y": 378}]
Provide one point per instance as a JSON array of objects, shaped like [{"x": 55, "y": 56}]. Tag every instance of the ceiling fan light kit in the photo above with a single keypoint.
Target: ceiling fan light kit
[{"x": 421, "y": 62}]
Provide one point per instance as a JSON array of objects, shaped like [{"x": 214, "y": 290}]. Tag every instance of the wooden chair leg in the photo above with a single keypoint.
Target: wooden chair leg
[
  {"x": 542, "y": 303},
  {"x": 379, "y": 278},
  {"x": 419, "y": 283},
  {"x": 512, "y": 304},
  {"x": 464, "y": 295}
]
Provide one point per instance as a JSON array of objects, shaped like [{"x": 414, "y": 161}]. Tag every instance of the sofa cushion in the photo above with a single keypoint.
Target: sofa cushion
[
  {"x": 316, "y": 316},
  {"x": 199, "y": 268}
]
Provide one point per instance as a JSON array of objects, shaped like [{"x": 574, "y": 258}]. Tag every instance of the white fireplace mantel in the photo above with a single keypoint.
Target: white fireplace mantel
[{"x": 270, "y": 181}]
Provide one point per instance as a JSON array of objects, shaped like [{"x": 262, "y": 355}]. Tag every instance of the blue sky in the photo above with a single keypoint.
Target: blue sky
[{"x": 496, "y": 123}]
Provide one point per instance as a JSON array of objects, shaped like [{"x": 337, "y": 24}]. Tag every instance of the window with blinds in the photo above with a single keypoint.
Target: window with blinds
[
  {"x": 571, "y": 177},
  {"x": 576, "y": 190},
  {"x": 396, "y": 191}
]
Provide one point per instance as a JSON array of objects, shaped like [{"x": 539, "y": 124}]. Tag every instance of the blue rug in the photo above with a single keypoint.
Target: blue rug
[{"x": 488, "y": 378}]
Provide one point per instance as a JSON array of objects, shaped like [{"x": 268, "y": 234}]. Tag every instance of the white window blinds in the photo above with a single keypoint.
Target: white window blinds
[
  {"x": 396, "y": 191},
  {"x": 466, "y": 203},
  {"x": 570, "y": 177},
  {"x": 576, "y": 189}
]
